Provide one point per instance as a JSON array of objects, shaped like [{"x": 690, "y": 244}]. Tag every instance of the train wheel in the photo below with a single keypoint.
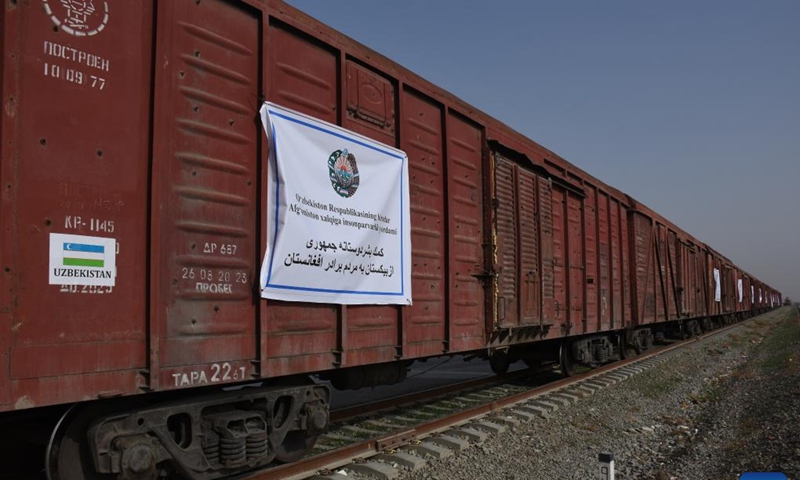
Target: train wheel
[
  {"x": 624, "y": 350},
  {"x": 566, "y": 360},
  {"x": 707, "y": 326},
  {"x": 499, "y": 363},
  {"x": 694, "y": 329},
  {"x": 67, "y": 456},
  {"x": 295, "y": 446}
]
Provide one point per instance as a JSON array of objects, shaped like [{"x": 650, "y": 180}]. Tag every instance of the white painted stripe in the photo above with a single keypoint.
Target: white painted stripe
[{"x": 84, "y": 255}]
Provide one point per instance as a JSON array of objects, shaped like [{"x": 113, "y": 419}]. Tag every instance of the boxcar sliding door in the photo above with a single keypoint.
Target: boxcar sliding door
[{"x": 518, "y": 287}]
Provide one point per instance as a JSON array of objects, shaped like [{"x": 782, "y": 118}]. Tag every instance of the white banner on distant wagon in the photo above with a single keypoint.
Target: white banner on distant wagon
[
  {"x": 717, "y": 287},
  {"x": 741, "y": 290},
  {"x": 338, "y": 220}
]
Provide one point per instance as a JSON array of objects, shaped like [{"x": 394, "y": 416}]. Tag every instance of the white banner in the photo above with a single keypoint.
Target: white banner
[
  {"x": 760, "y": 296},
  {"x": 717, "y": 288},
  {"x": 740, "y": 286},
  {"x": 752, "y": 294},
  {"x": 338, "y": 221}
]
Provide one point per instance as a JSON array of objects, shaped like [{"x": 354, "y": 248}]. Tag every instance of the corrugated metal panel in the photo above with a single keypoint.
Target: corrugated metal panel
[
  {"x": 639, "y": 267},
  {"x": 743, "y": 277},
  {"x": 732, "y": 298},
  {"x": 577, "y": 277},
  {"x": 422, "y": 139},
  {"x": 507, "y": 238},
  {"x": 686, "y": 280},
  {"x": 723, "y": 279},
  {"x": 708, "y": 281},
  {"x": 75, "y": 156},
  {"x": 717, "y": 305},
  {"x": 695, "y": 290},
  {"x": 661, "y": 273},
  {"x": 748, "y": 304},
  {"x": 645, "y": 269},
  {"x": 701, "y": 281},
  {"x": 561, "y": 317},
  {"x": 593, "y": 274},
  {"x": 733, "y": 295},
  {"x": 372, "y": 333},
  {"x": 728, "y": 282},
  {"x": 618, "y": 270},
  {"x": 372, "y": 330},
  {"x": 546, "y": 244},
  {"x": 370, "y": 104},
  {"x": 624, "y": 251},
  {"x": 724, "y": 274},
  {"x": 302, "y": 74},
  {"x": 517, "y": 234},
  {"x": 9, "y": 125},
  {"x": 606, "y": 259},
  {"x": 465, "y": 222},
  {"x": 529, "y": 248},
  {"x": 651, "y": 287},
  {"x": 673, "y": 269},
  {"x": 746, "y": 291},
  {"x": 204, "y": 195},
  {"x": 691, "y": 289},
  {"x": 711, "y": 264},
  {"x": 716, "y": 263}
]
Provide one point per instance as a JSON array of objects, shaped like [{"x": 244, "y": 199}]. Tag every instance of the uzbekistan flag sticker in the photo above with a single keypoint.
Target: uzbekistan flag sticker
[
  {"x": 82, "y": 260},
  {"x": 84, "y": 255}
]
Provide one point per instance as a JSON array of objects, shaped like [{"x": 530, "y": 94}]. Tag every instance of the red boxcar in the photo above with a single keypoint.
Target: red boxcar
[{"x": 133, "y": 126}]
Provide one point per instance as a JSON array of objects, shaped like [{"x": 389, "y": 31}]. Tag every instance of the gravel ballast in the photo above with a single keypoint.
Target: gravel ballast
[{"x": 725, "y": 406}]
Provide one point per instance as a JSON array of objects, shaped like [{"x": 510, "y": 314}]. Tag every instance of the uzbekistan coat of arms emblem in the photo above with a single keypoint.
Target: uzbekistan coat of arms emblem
[{"x": 343, "y": 172}]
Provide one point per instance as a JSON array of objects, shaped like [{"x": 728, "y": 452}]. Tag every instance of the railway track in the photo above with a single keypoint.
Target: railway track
[{"x": 455, "y": 415}]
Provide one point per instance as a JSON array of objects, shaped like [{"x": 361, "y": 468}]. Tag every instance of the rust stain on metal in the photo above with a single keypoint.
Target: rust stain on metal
[{"x": 11, "y": 107}]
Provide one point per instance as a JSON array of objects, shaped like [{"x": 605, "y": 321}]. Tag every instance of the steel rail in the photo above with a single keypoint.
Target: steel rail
[{"x": 364, "y": 409}]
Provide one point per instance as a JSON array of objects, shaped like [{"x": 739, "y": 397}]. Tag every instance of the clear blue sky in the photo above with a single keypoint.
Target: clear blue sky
[{"x": 691, "y": 107}]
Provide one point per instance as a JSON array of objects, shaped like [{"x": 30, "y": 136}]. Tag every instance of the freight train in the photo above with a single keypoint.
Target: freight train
[{"x": 135, "y": 180}]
